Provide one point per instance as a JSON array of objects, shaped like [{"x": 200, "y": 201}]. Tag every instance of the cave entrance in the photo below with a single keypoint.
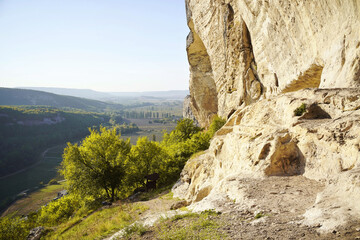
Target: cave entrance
[{"x": 309, "y": 79}]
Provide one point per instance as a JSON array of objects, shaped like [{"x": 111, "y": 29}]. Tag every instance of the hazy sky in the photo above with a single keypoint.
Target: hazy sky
[{"x": 104, "y": 45}]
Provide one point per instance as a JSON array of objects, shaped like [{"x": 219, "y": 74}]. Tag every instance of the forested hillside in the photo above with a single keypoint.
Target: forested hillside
[
  {"x": 28, "y": 130},
  {"x": 12, "y": 96}
]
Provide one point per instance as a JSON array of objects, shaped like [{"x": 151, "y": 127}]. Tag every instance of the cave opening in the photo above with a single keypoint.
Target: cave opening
[{"x": 311, "y": 78}]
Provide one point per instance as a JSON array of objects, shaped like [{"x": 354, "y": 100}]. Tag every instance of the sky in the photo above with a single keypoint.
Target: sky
[{"x": 103, "y": 45}]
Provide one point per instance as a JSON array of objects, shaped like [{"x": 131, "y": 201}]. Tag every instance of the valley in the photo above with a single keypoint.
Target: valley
[{"x": 33, "y": 136}]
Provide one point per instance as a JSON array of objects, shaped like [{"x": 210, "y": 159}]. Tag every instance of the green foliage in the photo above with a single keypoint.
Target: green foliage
[
  {"x": 145, "y": 158},
  {"x": 58, "y": 211},
  {"x": 300, "y": 110},
  {"x": 210, "y": 212},
  {"x": 259, "y": 215},
  {"x": 98, "y": 165},
  {"x": 100, "y": 224},
  {"x": 185, "y": 215},
  {"x": 14, "y": 228},
  {"x": 105, "y": 165},
  {"x": 127, "y": 128},
  {"x": 185, "y": 128},
  {"x": 216, "y": 123},
  {"x": 10, "y": 96},
  {"x": 184, "y": 141}
]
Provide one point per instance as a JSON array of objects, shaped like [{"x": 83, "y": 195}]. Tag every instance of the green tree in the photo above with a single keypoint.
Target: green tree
[
  {"x": 146, "y": 158},
  {"x": 98, "y": 165},
  {"x": 185, "y": 128}
]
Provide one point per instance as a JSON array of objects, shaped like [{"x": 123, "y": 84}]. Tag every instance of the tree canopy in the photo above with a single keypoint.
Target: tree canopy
[
  {"x": 97, "y": 165},
  {"x": 105, "y": 165}
]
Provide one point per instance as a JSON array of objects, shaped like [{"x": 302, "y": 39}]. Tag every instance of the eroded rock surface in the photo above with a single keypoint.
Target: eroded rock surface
[
  {"x": 266, "y": 139},
  {"x": 254, "y": 62},
  {"x": 243, "y": 50}
]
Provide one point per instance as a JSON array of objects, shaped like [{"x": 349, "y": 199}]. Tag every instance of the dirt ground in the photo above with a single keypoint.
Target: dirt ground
[{"x": 276, "y": 213}]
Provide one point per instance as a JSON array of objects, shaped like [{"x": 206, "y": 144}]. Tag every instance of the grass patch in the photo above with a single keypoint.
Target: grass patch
[
  {"x": 181, "y": 216},
  {"x": 168, "y": 196},
  {"x": 190, "y": 226},
  {"x": 100, "y": 224},
  {"x": 259, "y": 215},
  {"x": 300, "y": 110},
  {"x": 134, "y": 229},
  {"x": 185, "y": 209}
]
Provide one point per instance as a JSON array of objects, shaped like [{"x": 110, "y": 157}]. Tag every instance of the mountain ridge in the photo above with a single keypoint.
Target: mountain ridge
[
  {"x": 16, "y": 97},
  {"x": 104, "y": 96}
]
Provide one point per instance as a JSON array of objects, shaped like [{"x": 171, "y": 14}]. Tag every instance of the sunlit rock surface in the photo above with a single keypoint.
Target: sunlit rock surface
[
  {"x": 255, "y": 62},
  {"x": 243, "y": 50}
]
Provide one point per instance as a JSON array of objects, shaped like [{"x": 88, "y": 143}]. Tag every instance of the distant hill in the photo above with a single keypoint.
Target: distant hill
[
  {"x": 108, "y": 96},
  {"x": 82, "y": 93},
  {"x": 16, "y": 97}
]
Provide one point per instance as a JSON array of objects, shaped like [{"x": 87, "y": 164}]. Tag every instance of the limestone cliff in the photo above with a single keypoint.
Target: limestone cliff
[
  {"x": 253, "y": 62},
  {"x": 243, "y": 50}
]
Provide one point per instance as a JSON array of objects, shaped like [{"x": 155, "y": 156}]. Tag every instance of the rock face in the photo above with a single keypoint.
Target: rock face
[
  {"x": 266, "y": 139},
  {"x": 242, "y": 50},
  {"x": 187, "y": 111},
  {"x": 255, "y": 62}
]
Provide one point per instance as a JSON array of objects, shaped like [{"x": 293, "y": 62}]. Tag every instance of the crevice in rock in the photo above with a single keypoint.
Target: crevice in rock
[
  {"x": 264, "y": 151},
  {"x": 228, "y": 24},
  {"x": 276, "y": 80},
  {"x": 203, "y": 92},
  {"x": 286, "y": 160},
  {"x": 230, "y": 113},
  {"x": 315, "y": 112},
  {"x": 252, "y": 83},
  {"x": 240, "y": 66},
  {"x": 309, "y": 79}
]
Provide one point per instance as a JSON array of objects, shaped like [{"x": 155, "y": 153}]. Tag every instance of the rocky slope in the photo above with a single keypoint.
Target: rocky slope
[{"x": 254, "y": 63}]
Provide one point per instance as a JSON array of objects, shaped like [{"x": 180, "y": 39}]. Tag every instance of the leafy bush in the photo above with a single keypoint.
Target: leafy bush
[
  {"x": 14, "y": 228},
  {"x": 300, "y": 110},
  {"x": 59, "y": 210},
  {"x": 216, "y": 123}
]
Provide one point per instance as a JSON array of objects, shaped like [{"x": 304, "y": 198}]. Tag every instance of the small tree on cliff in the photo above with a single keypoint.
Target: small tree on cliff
[{"x": 97, "y": 166}]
